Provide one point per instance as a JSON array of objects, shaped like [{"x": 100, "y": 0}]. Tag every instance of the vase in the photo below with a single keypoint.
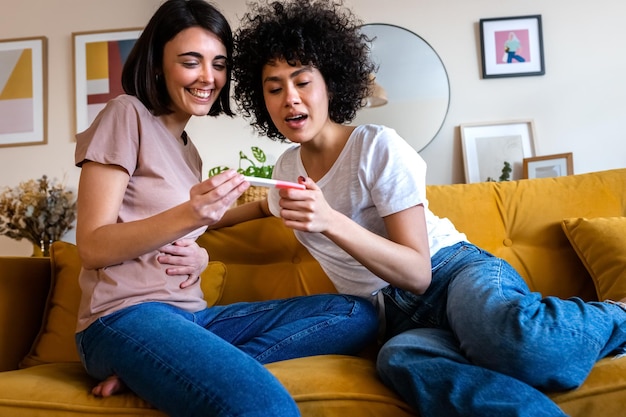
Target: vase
[{"x": 42, "y": 249}]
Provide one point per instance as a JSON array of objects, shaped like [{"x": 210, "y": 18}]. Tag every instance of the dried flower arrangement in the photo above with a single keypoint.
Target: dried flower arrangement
[{"x": 40, "y": 211}]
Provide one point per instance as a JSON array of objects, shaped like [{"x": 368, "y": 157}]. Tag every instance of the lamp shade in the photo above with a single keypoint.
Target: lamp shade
[{"x": 378, "y": 96}]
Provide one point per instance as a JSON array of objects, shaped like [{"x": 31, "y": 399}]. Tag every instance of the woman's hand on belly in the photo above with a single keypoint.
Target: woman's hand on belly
[{"x": 184, "y": 257}]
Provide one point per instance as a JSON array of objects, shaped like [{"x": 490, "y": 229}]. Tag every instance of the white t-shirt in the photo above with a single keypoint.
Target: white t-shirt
[{"x": 376, "y": 174}]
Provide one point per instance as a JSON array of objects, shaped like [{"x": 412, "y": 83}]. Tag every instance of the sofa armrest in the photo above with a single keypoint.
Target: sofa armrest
[{"x": 24, "y": 287}]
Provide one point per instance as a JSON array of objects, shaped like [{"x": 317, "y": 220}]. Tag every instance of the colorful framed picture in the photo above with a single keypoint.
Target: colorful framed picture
[
  {"x": 549, "y": 166},
  {"x": 98, "y": 61},
  {"x": 23, "y": 91},
  {"x": 496, "y": 151},
  {"x": 512, "y": 46}
]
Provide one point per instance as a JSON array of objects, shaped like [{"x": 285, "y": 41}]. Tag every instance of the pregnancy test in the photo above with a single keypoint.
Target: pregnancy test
[{"x": 266, "y": 182}]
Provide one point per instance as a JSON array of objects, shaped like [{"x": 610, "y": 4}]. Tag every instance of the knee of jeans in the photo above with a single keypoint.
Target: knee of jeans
[
  {"x": 389, "y": 361},
  {"x": 417, "y": 345},
  {"x": 394, "y": 351}
]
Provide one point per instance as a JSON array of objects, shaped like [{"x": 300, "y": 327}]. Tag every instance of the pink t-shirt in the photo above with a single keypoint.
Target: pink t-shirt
[{"x": 162, "y": 169}]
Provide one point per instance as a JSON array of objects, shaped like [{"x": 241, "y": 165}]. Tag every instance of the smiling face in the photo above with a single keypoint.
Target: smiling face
[
  {"x": 195, "y": 71},
  {"x": 296, "y": 99}
]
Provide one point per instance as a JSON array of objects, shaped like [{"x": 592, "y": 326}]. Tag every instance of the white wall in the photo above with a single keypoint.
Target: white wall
[{"x": 578, "y": 106}]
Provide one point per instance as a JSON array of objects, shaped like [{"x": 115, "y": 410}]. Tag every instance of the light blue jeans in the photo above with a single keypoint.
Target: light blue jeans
[
  {"x": 479, "y": 343},
  {"x": 210, "y": 363}
]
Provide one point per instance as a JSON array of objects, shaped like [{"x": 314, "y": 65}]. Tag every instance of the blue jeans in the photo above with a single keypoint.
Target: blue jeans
[
  {"x": 210, "y": 363},
  {"x": 479, "y": 343},
  {"x": 513, "y": 56}
]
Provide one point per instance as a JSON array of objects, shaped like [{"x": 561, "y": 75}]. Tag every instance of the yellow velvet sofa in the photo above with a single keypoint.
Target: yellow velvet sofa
[{"x": 565, "y": 235}]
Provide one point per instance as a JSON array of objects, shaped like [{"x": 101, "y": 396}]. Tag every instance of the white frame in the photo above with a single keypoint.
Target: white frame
[
  {"x": 80, "y": 41},
  {"x": 558, "y": 164},
  {"x": 38, "y": 112},
  {"x": 509, "y": 141}
]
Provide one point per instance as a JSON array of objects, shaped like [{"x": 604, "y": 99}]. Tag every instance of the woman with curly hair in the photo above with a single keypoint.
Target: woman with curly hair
[{"x": 464, "y": 334}]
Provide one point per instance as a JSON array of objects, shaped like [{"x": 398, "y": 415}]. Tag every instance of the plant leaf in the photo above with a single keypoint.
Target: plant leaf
[
  {"x": 265, "y": 171},
  {"x": 258, "y": 154},
  {"x": 216, "y": 170}
]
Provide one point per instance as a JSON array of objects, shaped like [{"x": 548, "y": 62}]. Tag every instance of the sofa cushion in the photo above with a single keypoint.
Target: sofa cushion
[
  {"x": 323, "y": 385},
  {"x": 602, "y": 393},
  {"x": 601, "y": 245},
  {"x": 520, "y": 221},
  {"x": 55, "y": 341},
  {"x": 265, "y": 261}
]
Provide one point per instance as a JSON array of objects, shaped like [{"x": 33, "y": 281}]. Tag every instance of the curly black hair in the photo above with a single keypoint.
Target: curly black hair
[{"x": 320, "y": 33}]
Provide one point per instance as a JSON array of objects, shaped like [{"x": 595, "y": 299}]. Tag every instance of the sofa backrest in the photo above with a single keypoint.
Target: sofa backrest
[
  {"x": 264, "y": 260},
  {"x": 519, "y": 221}
]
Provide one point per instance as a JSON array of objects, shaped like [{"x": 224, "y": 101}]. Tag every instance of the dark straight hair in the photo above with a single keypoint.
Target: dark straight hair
[{"x": 142, "y": 75}]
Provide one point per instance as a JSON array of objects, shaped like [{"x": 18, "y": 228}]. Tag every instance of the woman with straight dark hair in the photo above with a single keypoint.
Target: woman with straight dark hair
[{"x": 143, "y": 321}]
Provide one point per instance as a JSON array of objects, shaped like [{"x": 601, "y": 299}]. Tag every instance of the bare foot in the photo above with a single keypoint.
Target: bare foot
[{"x": 110, "y": 386}]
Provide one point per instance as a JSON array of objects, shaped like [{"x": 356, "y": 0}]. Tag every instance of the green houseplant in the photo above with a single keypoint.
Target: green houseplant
[
  {"x": 506, "y": 173},
  {"x": 255, "y": 167}
]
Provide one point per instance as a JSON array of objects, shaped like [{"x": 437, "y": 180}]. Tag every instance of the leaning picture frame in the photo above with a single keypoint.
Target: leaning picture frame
[
  {"x": 23, "y": 91},
  {"x": 495, "y": 151},
  {"x": 548, "y": 166},
  {"x": 98, "y": 61},
  {"x": 512, "y": 46}
]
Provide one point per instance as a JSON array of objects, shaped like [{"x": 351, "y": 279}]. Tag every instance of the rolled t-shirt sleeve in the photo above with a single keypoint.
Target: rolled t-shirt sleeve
[
  {"x": 391, "y": 167},
  {"x": 113, "y": 137}
]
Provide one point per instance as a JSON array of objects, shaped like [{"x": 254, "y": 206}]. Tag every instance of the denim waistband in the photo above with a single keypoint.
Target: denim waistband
[{"x": 405, "y": 310}]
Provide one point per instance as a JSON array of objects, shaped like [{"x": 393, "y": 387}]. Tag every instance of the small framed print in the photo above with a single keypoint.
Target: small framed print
[
  {"x": 23, "y": 91},
  {"x": 98, "y": 61},
  {"x": 512, "y": 46},
  {"x": 549, "y": 166},
  {"x": 490, "y": 150}
]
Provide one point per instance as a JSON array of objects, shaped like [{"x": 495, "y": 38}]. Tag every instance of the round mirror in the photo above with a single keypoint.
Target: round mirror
[{"x": 415, "y": 91}]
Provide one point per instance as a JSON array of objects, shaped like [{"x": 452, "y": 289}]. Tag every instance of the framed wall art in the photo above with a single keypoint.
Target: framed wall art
[
  {"x": 548, "y": 166},
  {"x": 511, "y": 46},
  {"x": 23, "y": 91},
  {"x": 493, "y": 149},
  {"x": 98, "y": 61}
]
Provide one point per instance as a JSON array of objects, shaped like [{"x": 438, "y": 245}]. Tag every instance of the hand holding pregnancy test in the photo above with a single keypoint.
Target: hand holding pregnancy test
[{"x": 266, "y": 182}]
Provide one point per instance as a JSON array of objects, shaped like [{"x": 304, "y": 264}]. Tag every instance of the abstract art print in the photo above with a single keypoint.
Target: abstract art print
[
  {"x": 23, "y": 91},
  {"x": 98, "y": 61},
  {"x": 512, "y": 46}
]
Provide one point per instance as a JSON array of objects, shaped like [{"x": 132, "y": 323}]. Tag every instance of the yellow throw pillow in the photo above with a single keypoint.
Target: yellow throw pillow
[
  {"x": 212, "y": 284},
  {"x": 55, "y": 341},
  {"x": 601, "y": 245}
]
